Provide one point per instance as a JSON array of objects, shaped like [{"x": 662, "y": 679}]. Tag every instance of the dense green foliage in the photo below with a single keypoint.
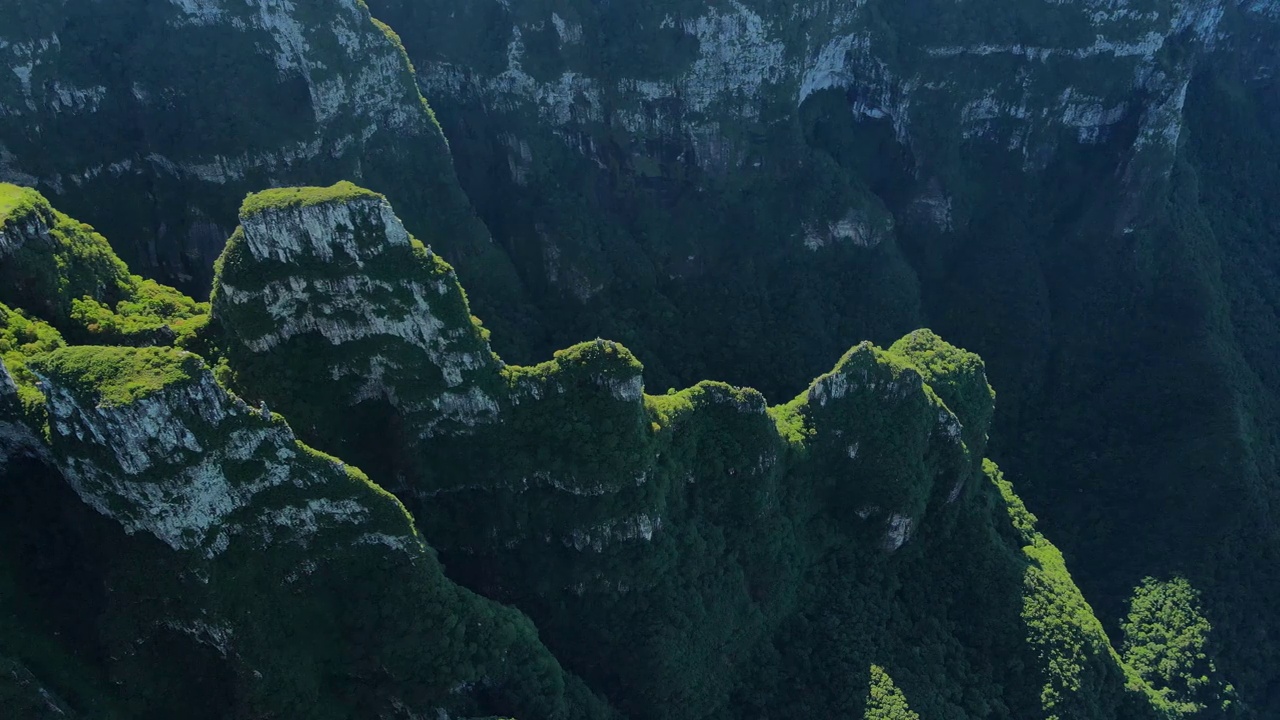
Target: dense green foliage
[
  {"x": 71, "y": 274},
  {"x": 739, "y": 556},
  {"x": 1166, "y": 641},
  {"x": 710, "y": 539},
  {"x": 885, "y": 701},
  {"x": 20, "y": 338},
  {"x": 1118, "y": 277}
]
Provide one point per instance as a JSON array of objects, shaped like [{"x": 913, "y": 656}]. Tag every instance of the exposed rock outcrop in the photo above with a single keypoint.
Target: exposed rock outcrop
[
  {"x": 713, "y": 540},
  {"x": 303, "y": 91}
]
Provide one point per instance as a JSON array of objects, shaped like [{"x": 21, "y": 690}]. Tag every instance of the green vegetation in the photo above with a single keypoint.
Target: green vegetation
[
  {"x": 698, "y": 531},
  {"x": 1122, "y": 297},
  {"x": 301, "y": 197},
  {"x": 1167, "y": 643},
  {"x": 118, "y": 375},
  {"x": 885, "y": 701},
  {"x": 150, "y": 308},
  {"x": 693, "y": 554},
  {"x": 17, "y": 203},
  {"x": 20, "y": 339},
  {"x": 69, "y": 273}
]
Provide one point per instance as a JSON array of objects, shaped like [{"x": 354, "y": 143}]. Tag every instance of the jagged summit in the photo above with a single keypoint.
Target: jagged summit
[
  {"x": 331, "y": 275},
  {"x": 721, "y": 545}
]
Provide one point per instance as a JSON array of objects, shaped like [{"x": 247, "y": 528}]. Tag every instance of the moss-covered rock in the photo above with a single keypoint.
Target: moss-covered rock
[
  {"x": 256, "y": 94},
  {"x": 67, "y": 272},
  {"x": 689, "y": 530},
  {"x": 285, "y": 564}
]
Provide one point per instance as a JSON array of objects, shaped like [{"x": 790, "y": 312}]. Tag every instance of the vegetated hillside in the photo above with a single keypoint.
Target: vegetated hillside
[
  {"x": 693, "y": 554},
  {"x": 1078, "y": 191}
]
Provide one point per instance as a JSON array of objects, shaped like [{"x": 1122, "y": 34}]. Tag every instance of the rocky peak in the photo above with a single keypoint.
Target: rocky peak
[
  {"x": 603, "y": 364},
  {"x": 138, "y": 434},
  {"x": 335, "y": 266},
  {"x": 301, "y": 224},
  {"x": 147, "y": 437},
  {"x": 849, "y": 436}
]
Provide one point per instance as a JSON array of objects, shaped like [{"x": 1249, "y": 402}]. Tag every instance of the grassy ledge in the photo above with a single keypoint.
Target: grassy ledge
[
  {"x": 118, "y": 375},
  {"x": 16, "y": 200},
  {"x": 300, "y": 197}
]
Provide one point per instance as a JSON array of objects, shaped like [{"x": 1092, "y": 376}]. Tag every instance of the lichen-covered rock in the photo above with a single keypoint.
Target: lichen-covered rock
[
  {"x": 155, "y": 474},
  {"x": 1039, "y": 83}
]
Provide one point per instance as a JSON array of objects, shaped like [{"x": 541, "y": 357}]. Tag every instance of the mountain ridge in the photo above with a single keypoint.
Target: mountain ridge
[{"x": 217, "y": 477}]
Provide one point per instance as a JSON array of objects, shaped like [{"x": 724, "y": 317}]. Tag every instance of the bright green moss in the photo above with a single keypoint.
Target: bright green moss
[
  {"x": 74, "y": 280},
  {"x": 1062, "y": 626},
  {"x": 299, "y": 197},
  {"x": 15, "y": 201},
  {"x": 594, "y": 359},
  {"x": 150, "y": 310},
  {"x": 665, "y": 409},
  {"x": 790, "y": 423},
  {"x": 957, "y": 376},
  {"x": 118, "y": 375},
  {"x": 20, "y": 339}
]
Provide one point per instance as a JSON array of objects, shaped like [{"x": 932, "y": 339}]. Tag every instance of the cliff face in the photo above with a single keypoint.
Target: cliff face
[
  {"x": 735, "y": 553},
  {"x": 329, "y": 302},
  {"x": 734, "y": 189},
  {"x": 600, "y": 510},
  {"x": 250, "y": 95},
  {"x": 272, "y": 560},
  {"x": 1023, "y": 77},
  {"x": 1068, "y": 189},
  {"x": 691, "y": 134},
  {"x": 335, "y": 272}
]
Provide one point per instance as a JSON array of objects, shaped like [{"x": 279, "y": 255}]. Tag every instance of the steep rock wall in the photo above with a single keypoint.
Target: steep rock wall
[
  {"x": 249, "y": 95},
  {"x": 687, "y": 530},
  {"x": 769, "y": 181},
  {"x": 253, "y": 561}
]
